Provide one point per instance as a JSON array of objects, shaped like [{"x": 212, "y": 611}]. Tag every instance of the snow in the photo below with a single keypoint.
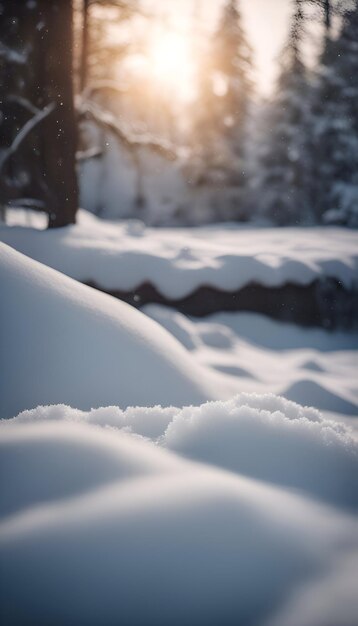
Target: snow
[
  {"x": 109, "y": 186},
  {"x": 65, "y": 342},
  {"x": 116, "y": 256},
  {"x": 132, "y": 521},
  {"x": 313, "y": 367},
  {"x": 237, "y": 509},
  {"x": 260, "y": 436}
]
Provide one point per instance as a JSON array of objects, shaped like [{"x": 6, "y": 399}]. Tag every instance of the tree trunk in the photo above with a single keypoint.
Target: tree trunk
[
  {"x": 84, "y": 48},
  {"x": 327, "y": 15},
  {"x": 59, "y": 131}
]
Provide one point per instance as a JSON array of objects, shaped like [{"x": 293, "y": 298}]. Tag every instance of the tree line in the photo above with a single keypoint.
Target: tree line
[
  {"x": 291, "y": 160},
  {"x": 301, "y": 166}
]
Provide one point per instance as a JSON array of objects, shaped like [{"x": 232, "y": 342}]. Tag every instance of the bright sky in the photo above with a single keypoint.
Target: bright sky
[{"x": 266, "y": 23}]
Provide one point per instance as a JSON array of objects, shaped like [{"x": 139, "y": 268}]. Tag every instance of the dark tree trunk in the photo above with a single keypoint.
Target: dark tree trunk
[
  {"x": 327, "y": 15},
  {"x": 84, "y": 48},
  {"x": 59, "y": 131}
]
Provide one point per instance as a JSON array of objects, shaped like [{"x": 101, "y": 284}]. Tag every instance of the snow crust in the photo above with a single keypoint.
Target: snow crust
[{"x": 123, "y": 255}]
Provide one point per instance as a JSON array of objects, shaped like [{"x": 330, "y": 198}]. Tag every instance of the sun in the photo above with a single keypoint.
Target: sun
[{"x": 170, "y": 61}]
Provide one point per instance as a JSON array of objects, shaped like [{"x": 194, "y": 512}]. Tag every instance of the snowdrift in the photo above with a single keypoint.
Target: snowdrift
[
  {"x": 261, "y": 436},
  {"x": 64, "y": 342},
  {"x": 102, "y": 527},
  {"x": 123, "y": 255}
]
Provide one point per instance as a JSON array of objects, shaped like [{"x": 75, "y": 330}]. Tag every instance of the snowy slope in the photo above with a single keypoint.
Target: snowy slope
[
  {"x": 64, "y": 342},
  {"x": 177, "y": 261},
  {"x": 99, "y": 527}
]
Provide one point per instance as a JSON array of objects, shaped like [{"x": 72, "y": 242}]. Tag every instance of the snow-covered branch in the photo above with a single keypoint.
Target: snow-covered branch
[
  {"x": 12, "y": 56},
  {"x": 24, "y": 103},
  {"x": 25, "y": 131},
  {"x": 105, "y": 119},
  {"x": 91, "y": 153}
]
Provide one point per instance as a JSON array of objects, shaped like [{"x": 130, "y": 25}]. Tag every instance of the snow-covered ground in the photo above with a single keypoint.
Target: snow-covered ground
[
  {"x": 123, "y": 255},
  {"x": 103, "y": 527},
  {"x": 314, "y": 367},
  {"x": 239, "y": 509}
]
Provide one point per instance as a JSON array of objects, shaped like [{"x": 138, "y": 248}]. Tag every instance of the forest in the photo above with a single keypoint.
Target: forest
[{"x": 92, "y": 115}]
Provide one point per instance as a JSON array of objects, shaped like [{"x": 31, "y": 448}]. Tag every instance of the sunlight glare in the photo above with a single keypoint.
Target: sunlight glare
[{"x": 170, "y": 62}]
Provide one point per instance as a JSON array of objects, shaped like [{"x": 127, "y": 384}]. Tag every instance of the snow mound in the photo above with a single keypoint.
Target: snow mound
[
  {"x": 262, "y": 436},
  {"x": 271, "y": 439},
  {"x": 317, "y": 395},
  {"x": 50, "y": 461},
  {"x": 62, "y": 342},
  {"x": 313, "y": 367},
  {"x": 146, "y": 543}
]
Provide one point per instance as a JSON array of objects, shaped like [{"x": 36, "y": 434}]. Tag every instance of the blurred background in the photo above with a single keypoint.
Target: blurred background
[{"x": 180, "y": 112}]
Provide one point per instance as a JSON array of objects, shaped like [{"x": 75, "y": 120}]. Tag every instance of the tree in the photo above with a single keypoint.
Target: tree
[
  {"x": 232, "y": 66},
  {"x": 55, "y": 85},
  {"x": 42, "y": 34},
  {"x": 336, "y": 124},
  {"x": 330, "y": 9},
  {"x": 285, "y": 154},
  {"x": 327, "y": 9},
  {"x": 97, "y": 51},
  {"x": 222, "y": 111}
]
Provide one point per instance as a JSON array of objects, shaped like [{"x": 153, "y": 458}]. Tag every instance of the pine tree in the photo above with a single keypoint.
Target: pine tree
[
  {"x": 285, "y": 160},
  {"x": 336, "y": 125},
  {"x": 232, "y": 64},
  {"x": 222, "y": 110}
]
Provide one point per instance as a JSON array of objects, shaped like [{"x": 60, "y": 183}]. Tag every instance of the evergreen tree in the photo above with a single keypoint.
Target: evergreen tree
[
  {"x": 285, "y": 155},
  {"x": 222, "y": 111},
  {"x": 336, "y": 125},
  {"x": 232, "y": 64}
]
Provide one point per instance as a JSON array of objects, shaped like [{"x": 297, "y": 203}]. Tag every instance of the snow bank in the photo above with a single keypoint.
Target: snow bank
[
  {"x": 122, "y": 256},
  {"x": 101, "y": 528},
  {"x": 64, "y": 342}
]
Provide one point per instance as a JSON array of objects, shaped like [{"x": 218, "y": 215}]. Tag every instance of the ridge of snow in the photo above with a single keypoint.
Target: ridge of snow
[{"x": 65, "y": 342}]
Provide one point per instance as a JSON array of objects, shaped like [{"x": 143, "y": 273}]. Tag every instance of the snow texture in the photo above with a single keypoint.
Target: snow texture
[
  {"x": 99, "y": 526},
  {"x": 262, "y": 436}
]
